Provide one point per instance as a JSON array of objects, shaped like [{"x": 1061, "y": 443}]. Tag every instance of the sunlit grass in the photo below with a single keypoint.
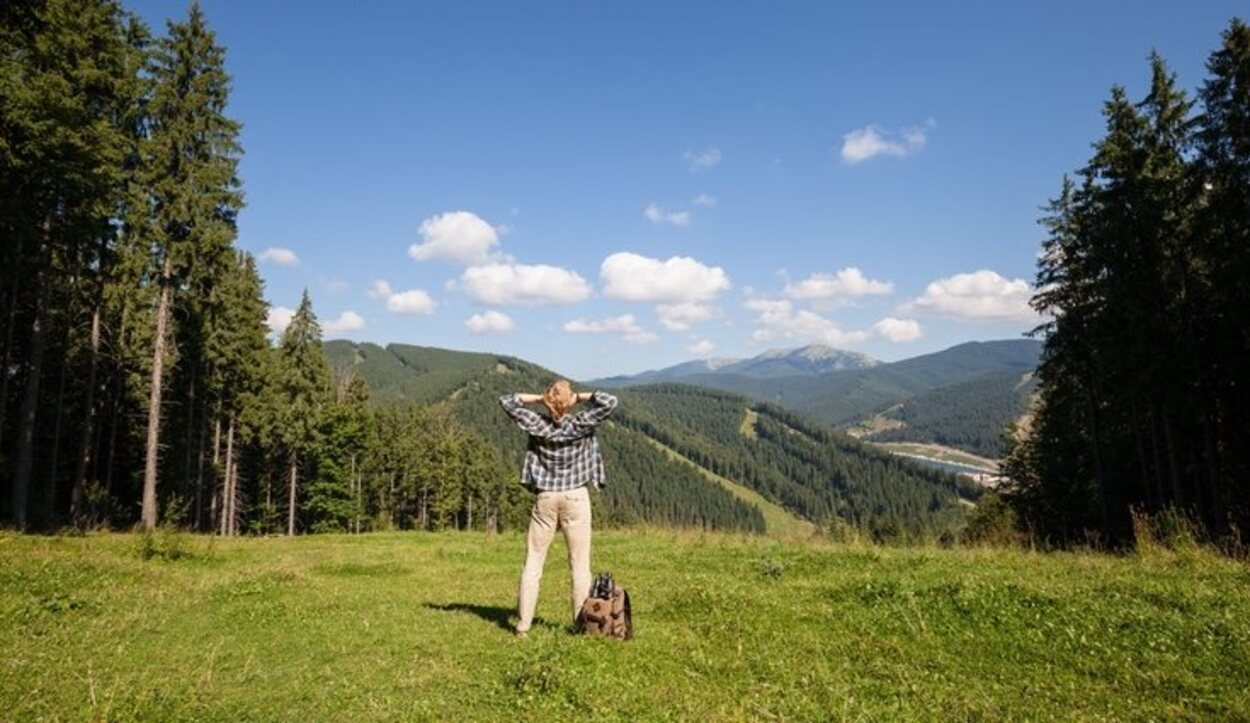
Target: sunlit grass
[{"x": 414, "y": 626}]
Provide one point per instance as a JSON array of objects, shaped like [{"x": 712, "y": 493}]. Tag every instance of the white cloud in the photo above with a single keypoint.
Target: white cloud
[
  {"x": 847, "y": 283},
  {"x": 864, "y": 143},
  {"x": 679, "y": 279},
  {"x": 981, "y": 294},
  {"x": 379, "y": 289},
  {"x": 347, "y": 321},
  {"x": 703, "y": 160},
  {"x": 679, "y": 317},
  {"x": 778, "y": 319},
  {"x": 897, "y": 330},
  {"x": 523, "y": 284},
  {"x": 279, "y": 318},
  {"x": 705, "y": 201},
  {"x": 657, "y": 215},
  {"x": 456, "y": 236},
  {"x": 703, "y": 347},
  {"x": 413, "y": 301},
  {"x": 490, "y": 322},
  {"x": 279, "y": 256},
  {"x": 625, "y": 325}
]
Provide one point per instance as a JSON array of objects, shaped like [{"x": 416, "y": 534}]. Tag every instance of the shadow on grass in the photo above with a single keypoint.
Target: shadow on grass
[{"x": 496, "y": 614}]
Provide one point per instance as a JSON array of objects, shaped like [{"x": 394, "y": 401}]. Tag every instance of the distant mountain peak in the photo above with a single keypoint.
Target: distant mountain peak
[{"x": 815, "y": 357}]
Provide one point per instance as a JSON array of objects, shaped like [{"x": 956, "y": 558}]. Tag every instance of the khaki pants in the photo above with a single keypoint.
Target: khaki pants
[{"x": 569, "y": 512}]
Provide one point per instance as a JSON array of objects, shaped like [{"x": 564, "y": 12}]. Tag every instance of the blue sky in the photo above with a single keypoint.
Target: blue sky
[{"x": 606, "y": 187}]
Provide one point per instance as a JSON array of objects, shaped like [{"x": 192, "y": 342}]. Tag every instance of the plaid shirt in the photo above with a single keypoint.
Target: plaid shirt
[{"x": 562, "y": 455}]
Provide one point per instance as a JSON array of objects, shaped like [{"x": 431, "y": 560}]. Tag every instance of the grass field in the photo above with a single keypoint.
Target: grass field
[{"x": 414, "y": 626}]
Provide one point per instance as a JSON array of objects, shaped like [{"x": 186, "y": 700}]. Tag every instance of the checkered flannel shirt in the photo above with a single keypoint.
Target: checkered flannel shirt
[{"x": 562, "y": 455}]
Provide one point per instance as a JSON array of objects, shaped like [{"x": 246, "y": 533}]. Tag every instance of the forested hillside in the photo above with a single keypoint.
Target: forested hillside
[
  {"x": 807, "y": 467},
  {"x": 971, "y": 406},
  {"x": 815, "y": 472},
  {"x": 968, "y": 416}
]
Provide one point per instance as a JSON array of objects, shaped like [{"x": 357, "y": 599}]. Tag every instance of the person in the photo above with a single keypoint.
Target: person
[{"x": 561, "y": 461}]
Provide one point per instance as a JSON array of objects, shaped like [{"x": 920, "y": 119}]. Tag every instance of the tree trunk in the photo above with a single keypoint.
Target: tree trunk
[
  {"x": 8, "y": 360},
  {"x": 227, "y": 488},
  {"x": 198, "y": 514},
  {"x": 190, "y": 432},
  {"x": 354, "y": 525},
  {"x": 55, "y": 462},
  {"x": 290, "y": 515},
  {"x": 234, "y": 493},
  {"x": 30, "y": 398},
  {"x": 154, "y": 403},
  {"x": 84, "y": 449},
  {"x": 214, "y": 518}
]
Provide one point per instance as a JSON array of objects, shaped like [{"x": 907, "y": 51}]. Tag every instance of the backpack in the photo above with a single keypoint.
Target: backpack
[{"x": 607, "y": 611}]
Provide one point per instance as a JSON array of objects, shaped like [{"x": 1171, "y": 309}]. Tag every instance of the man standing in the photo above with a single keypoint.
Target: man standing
[{"x": 562, "y": 459}]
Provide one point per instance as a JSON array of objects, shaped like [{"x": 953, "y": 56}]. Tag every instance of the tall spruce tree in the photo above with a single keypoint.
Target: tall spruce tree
[
  {"x": 304, "y": 379},
  {"x": 195, "y": 197}
]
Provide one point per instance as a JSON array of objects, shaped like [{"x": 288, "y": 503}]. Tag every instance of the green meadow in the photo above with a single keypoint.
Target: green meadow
[{"x": 415, "y": 626}]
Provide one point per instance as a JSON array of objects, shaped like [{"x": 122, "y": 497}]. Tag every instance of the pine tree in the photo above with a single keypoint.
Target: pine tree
[
  {"x": 304, "y": 380},
  {"x": 192, "y": 160}
]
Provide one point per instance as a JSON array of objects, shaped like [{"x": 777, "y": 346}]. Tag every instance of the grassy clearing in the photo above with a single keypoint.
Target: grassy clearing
[
  {"x": 778, "y": 521},
  {"x": 413, "y": 626},
  {"x": 748, "y": 425}
]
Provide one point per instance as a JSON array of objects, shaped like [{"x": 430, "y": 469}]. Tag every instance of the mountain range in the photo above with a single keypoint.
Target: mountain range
[
  {"x": 684, "y": 455},
  {"x": 963, "y": 396},
  {"x": 813, "y": 359}
]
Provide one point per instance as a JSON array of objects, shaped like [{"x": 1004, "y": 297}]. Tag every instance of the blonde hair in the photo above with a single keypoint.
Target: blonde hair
[{"x": 559, "y": 398}]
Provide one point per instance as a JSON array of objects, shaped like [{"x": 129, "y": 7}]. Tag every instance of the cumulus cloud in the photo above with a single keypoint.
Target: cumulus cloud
[
  {"x": 279, "y": 256},
  {"x": 490, "y": 322},
  {"x": 705, "y": 201},
  {"x": 456, "y": 236},
  {"x": 379, "y": 289},
  {"x": 676, "y": 280},
  {"x": 657, "y": 215},
  {"x": 981, "y": 294},
  {"x": 850, "y": 282},
  {"x": 625, "y": 325},
  {"x": 278, "y": 318},
  {"x": 869, "y": 141},
  {"x": 509, "y": 283},
  {"x": 702, "y": 160},
  {"x": 679, "y": 317},
  {"x": 702, "y": 347},
  {"x": 347, "y": 321},
  {"x": 413, "y": 301},
  {"x": 897, "y": 330},
  {"x": 778, "y": 319}
]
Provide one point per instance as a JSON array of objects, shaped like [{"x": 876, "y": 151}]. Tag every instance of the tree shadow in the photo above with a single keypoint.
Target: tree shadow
[{"x": 500, "y": 616}]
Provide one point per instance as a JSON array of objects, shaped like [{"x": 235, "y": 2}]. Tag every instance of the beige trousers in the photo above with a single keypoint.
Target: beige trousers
[{"x": 569, "y": 512}]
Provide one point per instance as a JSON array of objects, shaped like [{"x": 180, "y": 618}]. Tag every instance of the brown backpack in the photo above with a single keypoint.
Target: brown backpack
[{"x": 607, "y": 611}]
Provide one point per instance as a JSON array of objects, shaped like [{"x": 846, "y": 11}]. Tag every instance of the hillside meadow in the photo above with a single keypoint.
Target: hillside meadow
[{"x": 415, "y": 626}]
